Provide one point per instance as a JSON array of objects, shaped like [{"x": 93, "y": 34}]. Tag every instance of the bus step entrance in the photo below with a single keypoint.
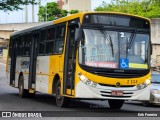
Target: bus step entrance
[{"x": 31, "y": 90}]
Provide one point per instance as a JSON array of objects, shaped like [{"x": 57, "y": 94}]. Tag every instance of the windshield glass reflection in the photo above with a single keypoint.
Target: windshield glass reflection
[{"x": 112, "y": 49}]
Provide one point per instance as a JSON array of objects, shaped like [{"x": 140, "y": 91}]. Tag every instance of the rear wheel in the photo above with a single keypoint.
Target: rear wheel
[
  {"x": 23, "y": 92},
  {"x": 116, "y": 104},
  {"x": 61, "y": 101}
]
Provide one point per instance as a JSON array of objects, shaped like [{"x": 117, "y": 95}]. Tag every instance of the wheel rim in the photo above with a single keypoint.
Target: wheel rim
[{"x": 59, "y": 98}]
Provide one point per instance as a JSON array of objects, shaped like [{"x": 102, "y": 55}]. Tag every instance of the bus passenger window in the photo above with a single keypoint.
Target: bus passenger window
[
  {"x": 20, "y": 46},
  {"x": 27, "y": 46},
  {"x": 49, "y": 42},
  {"x": 59, "y": 40},
  {"x": 41, "y": 44},
  {"x": 50, "y": 33}
]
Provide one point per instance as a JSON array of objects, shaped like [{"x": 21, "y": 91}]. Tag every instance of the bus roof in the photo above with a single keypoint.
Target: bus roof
[
  {"x": 80, "y": 14},
  {"x": 32, "y": 28},
  {"x": 69, "y": 17}
]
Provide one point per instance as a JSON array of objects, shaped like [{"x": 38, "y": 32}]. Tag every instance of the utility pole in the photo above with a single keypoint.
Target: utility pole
[
  {"x": 26, "y": 12},
  {"x": 32, "y": 12},
  {"x": 39, "y": 8},
  {"x": 46, "y": 10}
]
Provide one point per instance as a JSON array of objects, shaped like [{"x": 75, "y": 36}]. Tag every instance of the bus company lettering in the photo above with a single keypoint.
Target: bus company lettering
[
  {"x": 102, "y": 64},
  {"x": 25, "y": 64}
]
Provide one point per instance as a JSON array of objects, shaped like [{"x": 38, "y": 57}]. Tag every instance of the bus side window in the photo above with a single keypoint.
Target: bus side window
[
  {"x": 24, "y": 46},
  {"x": 49, "y": 42},
  {"x": 41, "y": 43},
  {"x": 20, "y": 46},
  {"x": 59, "y": 40},
  {"x": 27, "y": 45}
]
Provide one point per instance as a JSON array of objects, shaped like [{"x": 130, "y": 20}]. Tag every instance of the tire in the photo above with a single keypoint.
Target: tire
[
  {"x": 61, "y": 101},
  {"x": 146, "y": 103},
  {"x": 22, "y": 92},
  {"x": 115, "y": 104}
]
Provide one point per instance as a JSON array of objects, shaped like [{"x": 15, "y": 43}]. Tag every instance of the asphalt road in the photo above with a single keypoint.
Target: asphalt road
[{"x": 10, "y": 101}]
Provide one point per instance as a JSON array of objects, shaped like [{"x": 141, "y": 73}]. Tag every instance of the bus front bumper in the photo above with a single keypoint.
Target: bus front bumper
[{"x": 105, "y": 92}]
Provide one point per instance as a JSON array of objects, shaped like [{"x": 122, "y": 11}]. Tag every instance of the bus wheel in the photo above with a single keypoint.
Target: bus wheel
[
  {"x": 61, "y": 101},
  {"x": 22, "y": 92},
  {"x": 116, "y": 104}
]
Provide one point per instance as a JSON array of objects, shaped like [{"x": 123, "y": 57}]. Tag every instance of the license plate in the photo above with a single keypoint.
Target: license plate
[{"x": 117, "y": 93}]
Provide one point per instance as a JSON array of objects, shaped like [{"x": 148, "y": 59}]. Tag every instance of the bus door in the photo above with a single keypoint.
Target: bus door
[
  {"x": 70, "y": 58},
  {"x": 33, "y": 60},
  {"x": 13, "y": 60}
]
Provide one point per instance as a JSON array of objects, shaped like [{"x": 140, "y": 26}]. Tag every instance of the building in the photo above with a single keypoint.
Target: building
[
  {"x": 81, "y": 5},
  {"x": 5, "y": 31},
  {"x": 60, "y": 3},
  {"x": 155, "y": 37}
]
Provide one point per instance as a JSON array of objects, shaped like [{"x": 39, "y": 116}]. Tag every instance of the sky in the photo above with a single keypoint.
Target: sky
[{"x": 19, "y": 16}]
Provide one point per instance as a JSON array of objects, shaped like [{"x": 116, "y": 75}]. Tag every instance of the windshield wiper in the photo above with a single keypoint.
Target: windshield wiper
[
  {"x": 104, "y": 34},
  {"x": 108, "y": 39},
  {"x": 131, "y": 39}
]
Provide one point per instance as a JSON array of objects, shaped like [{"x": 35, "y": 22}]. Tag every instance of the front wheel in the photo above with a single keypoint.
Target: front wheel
[
  {"x": 115, "y": 104},
  {"x": 61, "y": 101}
]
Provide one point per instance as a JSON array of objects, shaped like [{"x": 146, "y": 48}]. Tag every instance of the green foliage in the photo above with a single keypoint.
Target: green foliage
[
  {"x": 64, "y": 13},
  {"x": 53, "y": 12},
  {"x": 11, "y": 5},
  {"x": 74, "y": 11},
  {"x": 145, "y": 8},
  {"x": 49, "y": 12}
]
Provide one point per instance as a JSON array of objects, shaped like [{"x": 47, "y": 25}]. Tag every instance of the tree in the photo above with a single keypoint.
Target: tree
[
  {"x": 64, "y": 13},
  {"x": 51, "y": 12},
  {"x": 74, "y": 11},
  {"x": 145, "y": 8},
  {"x": 10, "y": 5}
]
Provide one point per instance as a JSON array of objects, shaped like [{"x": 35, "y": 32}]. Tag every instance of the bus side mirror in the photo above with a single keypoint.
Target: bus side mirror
[{"x": 78, "y": 34}]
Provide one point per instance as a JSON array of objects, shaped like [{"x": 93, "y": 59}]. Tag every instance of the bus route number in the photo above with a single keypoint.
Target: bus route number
[{"x": 132, "y": 81}]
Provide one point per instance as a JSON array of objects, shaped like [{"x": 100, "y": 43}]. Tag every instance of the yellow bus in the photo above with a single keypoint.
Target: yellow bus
[{"x": 88, "y": 55}]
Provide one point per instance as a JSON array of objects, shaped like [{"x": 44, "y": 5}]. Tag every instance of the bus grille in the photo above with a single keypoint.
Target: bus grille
[
  {"x": 119, "y": 75},
  {"x": 107, "y": 85}
]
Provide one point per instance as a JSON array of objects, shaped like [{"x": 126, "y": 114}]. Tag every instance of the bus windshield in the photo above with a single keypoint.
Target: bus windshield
[{"x": 114, "y": 49}]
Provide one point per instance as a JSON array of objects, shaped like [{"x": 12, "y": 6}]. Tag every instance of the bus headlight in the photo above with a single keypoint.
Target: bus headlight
[
  {"x": 86, "y": 81},
  {"x": 144, "y": 85}
]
